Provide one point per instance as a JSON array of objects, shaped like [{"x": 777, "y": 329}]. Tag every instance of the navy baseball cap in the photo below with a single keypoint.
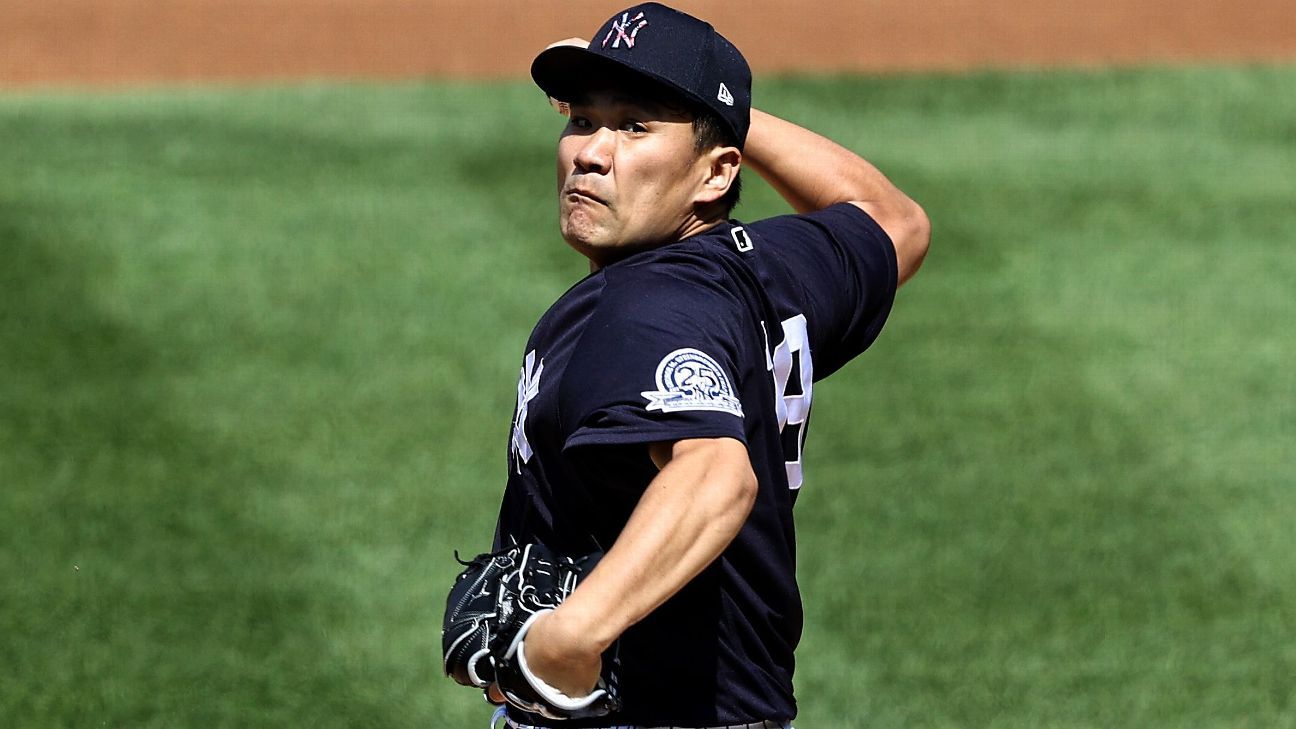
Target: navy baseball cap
[{"x": 673, "y": 49}]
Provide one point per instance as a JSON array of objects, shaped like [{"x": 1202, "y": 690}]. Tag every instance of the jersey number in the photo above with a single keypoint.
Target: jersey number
[{"x": 793, "y": 372}]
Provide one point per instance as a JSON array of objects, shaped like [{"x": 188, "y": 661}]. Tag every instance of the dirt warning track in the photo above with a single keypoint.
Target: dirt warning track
[{"x": 146, "y": 42}]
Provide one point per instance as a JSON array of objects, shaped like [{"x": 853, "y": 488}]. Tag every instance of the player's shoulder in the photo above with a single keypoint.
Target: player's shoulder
[{"x": 688, "y": 274}]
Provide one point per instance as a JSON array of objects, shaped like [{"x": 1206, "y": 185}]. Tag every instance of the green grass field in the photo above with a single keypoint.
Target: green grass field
[{"x": 258, "y": 352}]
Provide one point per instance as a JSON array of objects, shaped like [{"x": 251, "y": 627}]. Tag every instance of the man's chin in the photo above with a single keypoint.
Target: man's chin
[
  {"x": 594, "y": 253},
  {"x": 582, "y": 235}
]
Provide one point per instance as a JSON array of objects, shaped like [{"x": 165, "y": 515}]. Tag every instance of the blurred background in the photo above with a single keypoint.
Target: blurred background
[
  {"x": 81, "y": 42},
  {"x": 267, "y": 268}
]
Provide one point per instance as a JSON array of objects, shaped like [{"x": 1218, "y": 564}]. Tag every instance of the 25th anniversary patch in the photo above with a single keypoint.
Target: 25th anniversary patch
[{"x": 690, "y": 379}]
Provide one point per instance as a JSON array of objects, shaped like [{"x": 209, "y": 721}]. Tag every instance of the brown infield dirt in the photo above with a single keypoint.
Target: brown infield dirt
[{"x": 81, "y": 43}]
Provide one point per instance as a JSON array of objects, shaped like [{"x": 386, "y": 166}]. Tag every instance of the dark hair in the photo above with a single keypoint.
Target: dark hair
[{"x": 708, "y": 133}]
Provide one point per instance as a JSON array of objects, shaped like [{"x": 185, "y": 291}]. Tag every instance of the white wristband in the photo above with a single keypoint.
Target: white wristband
[{"x": 548, "y": 693}]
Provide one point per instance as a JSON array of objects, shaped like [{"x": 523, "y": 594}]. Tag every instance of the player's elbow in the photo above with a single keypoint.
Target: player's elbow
[
  {"x": 911, "y": 237},
  {"x": 740, "y": 498},
  {"x": 745, "y": 489},
  {"x": 908, "y": 227},
  {"x": 725, "y": 483},
  {"x": 740, "y": 486}
]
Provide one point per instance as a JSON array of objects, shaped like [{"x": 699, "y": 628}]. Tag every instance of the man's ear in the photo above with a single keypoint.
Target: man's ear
[{"x": 722, "y": 165}]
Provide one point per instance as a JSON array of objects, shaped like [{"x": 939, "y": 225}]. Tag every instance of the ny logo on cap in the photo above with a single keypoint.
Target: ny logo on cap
[{"x": 621, "y": 28}]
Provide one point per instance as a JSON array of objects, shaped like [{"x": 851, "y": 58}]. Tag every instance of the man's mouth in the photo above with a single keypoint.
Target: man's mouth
[{"x": 580, "y": 194}]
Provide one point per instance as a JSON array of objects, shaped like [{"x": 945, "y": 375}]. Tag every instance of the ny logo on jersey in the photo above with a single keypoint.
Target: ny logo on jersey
[
  {"x": 621, "y": 27},
  {"x": 528, "y": 387}
]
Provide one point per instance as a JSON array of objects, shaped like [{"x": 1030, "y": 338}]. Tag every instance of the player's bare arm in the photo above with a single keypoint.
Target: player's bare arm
[
  {"x": 691, "y": 511},
  {"x": 812, "y": 172}
]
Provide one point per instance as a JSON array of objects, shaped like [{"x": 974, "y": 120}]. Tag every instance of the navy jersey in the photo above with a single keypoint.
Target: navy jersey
[{"x": 719, "y": 335}]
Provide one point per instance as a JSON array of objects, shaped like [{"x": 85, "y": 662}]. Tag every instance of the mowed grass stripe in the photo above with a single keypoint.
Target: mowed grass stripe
[{"x": 258, "y": 350}]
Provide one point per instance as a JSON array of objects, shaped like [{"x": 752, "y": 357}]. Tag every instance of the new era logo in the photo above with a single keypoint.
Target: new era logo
[{"x": 724, "y": 96}]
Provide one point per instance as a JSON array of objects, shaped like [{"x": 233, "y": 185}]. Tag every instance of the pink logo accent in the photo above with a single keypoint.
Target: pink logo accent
[{"x": 621, "y": 28}]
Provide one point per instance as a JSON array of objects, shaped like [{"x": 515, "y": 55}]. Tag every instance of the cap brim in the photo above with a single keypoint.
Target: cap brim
[
  {"x": 566, "y": 72},
  {"x": 562, "y": 72}
]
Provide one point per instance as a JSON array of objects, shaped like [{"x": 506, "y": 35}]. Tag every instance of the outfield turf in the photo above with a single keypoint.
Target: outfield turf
[{"x": 258, "y": 352}]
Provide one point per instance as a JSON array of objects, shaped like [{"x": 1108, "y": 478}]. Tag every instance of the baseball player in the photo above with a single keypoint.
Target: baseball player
[{"x": 663, "y": 400}]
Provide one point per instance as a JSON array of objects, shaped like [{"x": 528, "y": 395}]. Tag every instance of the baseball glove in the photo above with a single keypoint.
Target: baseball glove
[{"x": 493, "y": 604}]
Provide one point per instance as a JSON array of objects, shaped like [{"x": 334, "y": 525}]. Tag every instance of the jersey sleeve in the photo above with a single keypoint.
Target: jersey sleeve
[
  {"x": 839, "y": 267},
  {"x": 660, "y": 361}
]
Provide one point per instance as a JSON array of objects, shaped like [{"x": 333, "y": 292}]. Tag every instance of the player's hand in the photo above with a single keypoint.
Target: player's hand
[
  {"x": 578, "y": 42},
  {"x": 561, "y": 106},
  {"x": 491, "y": 610},
  {"x": 556, "y": 661},
  {"x": 560, "y": 654}
]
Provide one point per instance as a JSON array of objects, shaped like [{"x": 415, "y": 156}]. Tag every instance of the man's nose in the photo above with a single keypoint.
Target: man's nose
[{"x": 596, "y": 154}]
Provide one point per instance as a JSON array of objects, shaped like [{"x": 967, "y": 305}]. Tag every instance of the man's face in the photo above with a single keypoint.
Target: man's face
[{"x": 628, "y": 175}]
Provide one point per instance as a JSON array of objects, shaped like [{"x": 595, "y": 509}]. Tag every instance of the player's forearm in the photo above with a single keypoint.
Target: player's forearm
[
  {"x": 688, "y": 515},
  {"x": 809, "y": 170},
  {"x": 813, "y": 172}
]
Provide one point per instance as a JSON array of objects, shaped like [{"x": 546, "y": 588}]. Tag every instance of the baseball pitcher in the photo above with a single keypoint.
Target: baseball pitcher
[{"x": 643, "y": 572}]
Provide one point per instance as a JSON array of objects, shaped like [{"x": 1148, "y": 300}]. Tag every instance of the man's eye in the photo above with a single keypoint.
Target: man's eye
[
  {"x": 633, "y": 126},
  {"x": 579, "y": 122}
]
